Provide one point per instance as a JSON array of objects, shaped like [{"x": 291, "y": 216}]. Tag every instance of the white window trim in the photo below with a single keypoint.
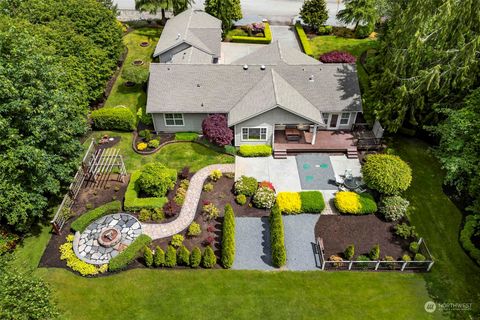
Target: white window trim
[
  {"x": 173, "y": 125},
  {"x": 342, "y": 118},
  {"x": 266, "y": 133}
]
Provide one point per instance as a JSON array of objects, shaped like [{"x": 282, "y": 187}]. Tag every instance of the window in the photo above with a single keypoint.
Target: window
[
  {"x": 173, "y": 119},
  {"x": 345, "y": 119},
  {"x": 254, "y": 133},
  {"x": 325, "y": 117}
]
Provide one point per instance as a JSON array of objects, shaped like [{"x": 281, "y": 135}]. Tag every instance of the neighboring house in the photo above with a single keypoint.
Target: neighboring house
[
  {"x": 193, "y": 36},
  {"x": 271, "y": 96}
]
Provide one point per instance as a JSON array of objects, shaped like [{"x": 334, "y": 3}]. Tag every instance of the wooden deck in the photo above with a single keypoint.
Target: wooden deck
[{"x": 326, "y": 141}]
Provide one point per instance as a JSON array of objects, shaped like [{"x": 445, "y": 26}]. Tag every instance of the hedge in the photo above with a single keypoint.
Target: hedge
[
  {"x": 303, "y": 39},
  {"x": 289, "y": 202},
  {"x": 472, "y": 225},
  {"x": 228, "y": 237},
  {"x": 84, "y": 220},
  {"x": 186, "y": 136},
  {"x": 312, "y": 201},
  {"x": 261, "y": 150},
  {"x": 124, "y": 258},
  {"x": 277, "y": 238},
  {"x": 113, "y": 119},
  {"x": 259, "y": 40},
  {"x": 353, "y": 203},
  {"x": 133, "y": 203}
]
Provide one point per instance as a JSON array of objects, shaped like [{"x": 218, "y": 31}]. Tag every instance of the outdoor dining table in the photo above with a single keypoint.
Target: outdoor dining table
[{"x": 353, "y": 183}]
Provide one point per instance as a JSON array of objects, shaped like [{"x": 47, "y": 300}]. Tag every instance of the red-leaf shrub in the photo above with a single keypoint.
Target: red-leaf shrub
[
  {"x": 208, "y": 241},
  {"x": 337, "y": 57},
  {"x": 171, "y": 208},
  {"x": 215, "y": 129},
  {"x": 266, "y": 184},
  {"x": 210, "y": 228}
]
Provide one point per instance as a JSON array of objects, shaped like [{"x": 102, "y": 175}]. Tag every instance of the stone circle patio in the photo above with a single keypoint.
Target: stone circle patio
[{"x": 87, "y": 247}]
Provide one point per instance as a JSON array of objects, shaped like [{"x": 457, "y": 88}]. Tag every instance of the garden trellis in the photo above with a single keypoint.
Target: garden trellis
[{"x": 96, "y": 163}]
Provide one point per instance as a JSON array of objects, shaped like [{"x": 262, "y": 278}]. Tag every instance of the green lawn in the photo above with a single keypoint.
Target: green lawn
[
  {"x": 323, "y": 44},
  {"x": 134, "y": 97},
  {"x": 454, "y": 277},
  {"x": 175, "y": 156}
]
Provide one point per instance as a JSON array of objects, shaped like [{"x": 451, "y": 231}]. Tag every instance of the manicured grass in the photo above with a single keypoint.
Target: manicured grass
[
  {"x": 134, "y": 97},
  {"x": 323, "y": 44},
  {"x": 454, "y": 277},
  {"x": 175, "y": 156}
]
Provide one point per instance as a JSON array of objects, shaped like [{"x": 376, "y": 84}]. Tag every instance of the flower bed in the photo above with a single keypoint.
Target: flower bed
[{"x": 259, "y": 40}]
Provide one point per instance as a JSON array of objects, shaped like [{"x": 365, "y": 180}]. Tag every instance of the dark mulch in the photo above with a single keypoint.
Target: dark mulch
[
  {"x": 222, "y": 194},
  {"x": 109, "y": 143},
  {"x": 363, "y": 232},
  {"x": 162, "y": 137}
]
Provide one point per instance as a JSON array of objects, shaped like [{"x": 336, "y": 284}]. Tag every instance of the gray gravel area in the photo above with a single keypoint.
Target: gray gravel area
[
  {"x": 252, "y": 244},
  {"x": 316, "y": 172},
  {"x": 300, "y": 242}
]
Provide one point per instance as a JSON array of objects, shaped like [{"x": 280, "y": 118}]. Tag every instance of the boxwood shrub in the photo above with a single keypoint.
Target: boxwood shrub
[
  {"x": 353, "y": 203},
  {"x": 471, "y": 229},
  {"x": 303, "y": 39},
  {"x": 312, "y": 201},
  {"x": 261, "y": 150},
  {"x": 88, "y": 217},
  {"x": 124, "y": 258},
  {"x": 277, "y": 238},
  {"x": 228, "y": 237},
  {"x": 156, "y": 179},
  {"x": 259, "y": 40},
  {"x": 132, "y": 201},
  {"x": 387, "y": 173},
  {"x": 113, "y": 119}
]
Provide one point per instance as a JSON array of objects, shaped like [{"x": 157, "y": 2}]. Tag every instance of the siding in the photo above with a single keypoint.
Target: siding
[
  {"x": 267, "y": 119},
  {"x": 192, "y": 122}
]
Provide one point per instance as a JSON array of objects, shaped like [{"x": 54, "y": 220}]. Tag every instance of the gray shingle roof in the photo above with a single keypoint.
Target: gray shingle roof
[
  {"x": 304, "y": 89},
  {"x": 197, "y": 28}
]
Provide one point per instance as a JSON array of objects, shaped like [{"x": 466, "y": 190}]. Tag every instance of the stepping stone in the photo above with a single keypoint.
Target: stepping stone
[
  {"x": 136, "y": 225},
  {"x": 130, "y": 223},
  {"x": 87, "y": 249}
]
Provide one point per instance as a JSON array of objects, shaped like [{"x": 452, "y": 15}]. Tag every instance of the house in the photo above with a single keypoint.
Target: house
[
  {"x": 275, "y": 95},
  {"x": 193, "y": 36}
]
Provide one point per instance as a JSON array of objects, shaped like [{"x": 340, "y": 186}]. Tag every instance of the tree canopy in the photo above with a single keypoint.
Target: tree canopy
[
  {"x": 225, "y": 10},
  {"x": 359, "y": 11},
  {"x": 314, "y": 13}
]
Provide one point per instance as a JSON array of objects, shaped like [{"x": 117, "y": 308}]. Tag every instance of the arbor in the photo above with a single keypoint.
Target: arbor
[
  {"x": 314, "y": 13},
  {"x": 215, "y": 129},
  {"x": 358, "y": 11},
  {"x": 428, "y": 57},
  {"x": 225, "y": 10}
]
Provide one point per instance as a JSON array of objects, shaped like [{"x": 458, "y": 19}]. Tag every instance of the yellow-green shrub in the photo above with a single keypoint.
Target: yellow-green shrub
[
  {"x": 354, "y": 203},
  {"x": 74, "y": 263},
  {"x": 289, "y": 202}
]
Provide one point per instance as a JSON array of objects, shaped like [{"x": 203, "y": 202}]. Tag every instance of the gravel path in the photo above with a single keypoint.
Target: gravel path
[
  {"x": 252, "y": 244},
  {"x": 300, "y": 240},
  {"x": 187, "y": 213}
]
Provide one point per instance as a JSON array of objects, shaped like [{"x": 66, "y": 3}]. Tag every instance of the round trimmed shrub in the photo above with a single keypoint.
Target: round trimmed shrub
[
  {"x": 337, "y": 57},
  {"x": 264, "y": 198},
  {"x": 195, "y": 257},
  {"x": 413, "y": 247},
  {"x": 241, "y": 199},
  {"x": 246, "y": 185},
  {"x": 194, "y": 229},
  {"x": 209, "y": 260},
  {"x": 113, "y": 119},
  {"x": 156, "y": 179},
  {"x": 406, "y": 258},
  {"x": 349, "y": 252},
  {"x": 419, "y": 257},
  {"x": 393, "y": 208},
  {"x": 353, "y": 203},
  {"x": 375, "y": 252},
  {"x": 387, "y": 173},
  {"x": 154, "y": 143}
]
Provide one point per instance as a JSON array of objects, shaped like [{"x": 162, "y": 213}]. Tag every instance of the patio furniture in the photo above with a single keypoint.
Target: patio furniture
[
  {"x": 353, "y": 183},
  {"x": 292, "y": 134}
]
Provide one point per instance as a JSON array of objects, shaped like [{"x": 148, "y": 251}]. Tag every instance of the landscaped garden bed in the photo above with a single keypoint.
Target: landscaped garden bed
[{"x": 146, "y": 142}]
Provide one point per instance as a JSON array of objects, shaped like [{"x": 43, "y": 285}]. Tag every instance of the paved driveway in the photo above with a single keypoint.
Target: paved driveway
[
  {"x": 286, "y": 36},
  {"x": 282, "y": 173},
  {"x": 252, "y": 244},
  {"x": 231, "y": 52}
]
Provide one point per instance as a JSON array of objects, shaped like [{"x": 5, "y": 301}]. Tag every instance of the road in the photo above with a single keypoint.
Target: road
[{"x": 276, "y": 11}]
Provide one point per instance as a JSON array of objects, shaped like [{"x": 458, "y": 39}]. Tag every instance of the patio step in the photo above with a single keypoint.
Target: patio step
[
  {"x": 280, "y": 154},
  {"x": 352, "y": 153}
]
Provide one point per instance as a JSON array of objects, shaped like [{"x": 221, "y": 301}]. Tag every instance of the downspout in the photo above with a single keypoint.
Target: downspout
[{"x": 315, "y": 128}]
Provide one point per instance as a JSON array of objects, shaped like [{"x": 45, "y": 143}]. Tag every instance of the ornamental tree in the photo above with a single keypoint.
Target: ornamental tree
[
  {"x": 215, "y": 129},
  {"x": 337, "y": 57},
  {"x": 314, "y": 13}
]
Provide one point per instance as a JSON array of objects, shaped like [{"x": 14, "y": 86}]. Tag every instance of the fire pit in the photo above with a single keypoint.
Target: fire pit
[{"x": 109, "y": 237}]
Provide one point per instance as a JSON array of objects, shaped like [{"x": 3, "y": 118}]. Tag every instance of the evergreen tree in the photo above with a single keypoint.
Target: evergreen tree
[
  {"x": 225, "y": 10},
  {"x": 359, "y": 11},
  {"x": 314, "y": 13}
]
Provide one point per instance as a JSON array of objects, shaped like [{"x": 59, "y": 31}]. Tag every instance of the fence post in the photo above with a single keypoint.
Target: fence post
[
  {"x": 376, "y": 266},
  {"x": 323, "y": 264},
  {"x": 404, "y": 265},
  {"x": 430, "y": 265},
  {"x": 350, "y": 265},
  {"x": 420, "y": 241}
]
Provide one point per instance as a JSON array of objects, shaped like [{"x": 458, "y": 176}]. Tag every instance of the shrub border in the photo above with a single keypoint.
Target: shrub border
[
  {"x": 277, "y": 238},
  {"x": 255, "y": 40},
  {"x": 82, "y": 222},
  {"x": 124, "y": 258},
  {"x": 302, "y": 36}
]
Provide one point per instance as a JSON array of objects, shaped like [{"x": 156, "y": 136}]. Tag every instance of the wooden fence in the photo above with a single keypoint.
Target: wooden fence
[{"x": 380, "y": 265}]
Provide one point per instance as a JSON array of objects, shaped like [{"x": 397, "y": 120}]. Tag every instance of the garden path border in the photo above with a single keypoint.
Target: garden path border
[{"x": 189, "y": 208}]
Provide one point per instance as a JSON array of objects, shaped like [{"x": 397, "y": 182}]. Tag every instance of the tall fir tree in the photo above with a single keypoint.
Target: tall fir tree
[{"x": 314, "y": 13}]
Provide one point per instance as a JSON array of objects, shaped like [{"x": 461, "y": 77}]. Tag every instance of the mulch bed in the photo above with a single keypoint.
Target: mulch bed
[
  {"x": 162, "y": 137},
  {"x": 363, "y": 232},
  {"x": 222, "y": 194}
]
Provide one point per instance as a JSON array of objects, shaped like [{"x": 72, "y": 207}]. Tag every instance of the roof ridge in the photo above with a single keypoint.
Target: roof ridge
[{"x": 274, "y": 74}]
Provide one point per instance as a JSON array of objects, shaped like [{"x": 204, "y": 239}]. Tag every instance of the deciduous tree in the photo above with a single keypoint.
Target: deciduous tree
[{"x": 225, "y": 10}]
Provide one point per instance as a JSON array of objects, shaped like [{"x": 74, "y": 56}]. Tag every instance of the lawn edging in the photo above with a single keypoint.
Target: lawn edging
[
  {"x": 255, "y": 40},
  {"x": 85, "y": 219},
  {"x": 302, "y": 36}
]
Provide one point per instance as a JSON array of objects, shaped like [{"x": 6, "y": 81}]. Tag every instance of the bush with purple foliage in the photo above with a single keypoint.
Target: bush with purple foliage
[
  {"x": 215, "y": 129},
  {"x": 337, "y": 57}
]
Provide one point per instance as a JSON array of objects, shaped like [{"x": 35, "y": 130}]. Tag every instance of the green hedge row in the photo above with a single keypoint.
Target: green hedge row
[
  {"x": 261, "y": 150},
  {"x": 124, "y": 258},
  {"x": 277, "y": 238},
  {"x": 228, "y": 237},
  {"x": 113, "y": 119},
  {"x": 472, "y": 225},
  {"x": 259, "y": 40},
  {"x": 304, "y": 40},
  {"x": 312, "y": 201},
  {"x": 88, "y": 217},
  {"x": 133, "y": 203}
]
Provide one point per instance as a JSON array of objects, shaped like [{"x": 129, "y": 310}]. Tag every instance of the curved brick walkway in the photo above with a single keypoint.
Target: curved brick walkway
[{"x": 189, "y": 208}]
